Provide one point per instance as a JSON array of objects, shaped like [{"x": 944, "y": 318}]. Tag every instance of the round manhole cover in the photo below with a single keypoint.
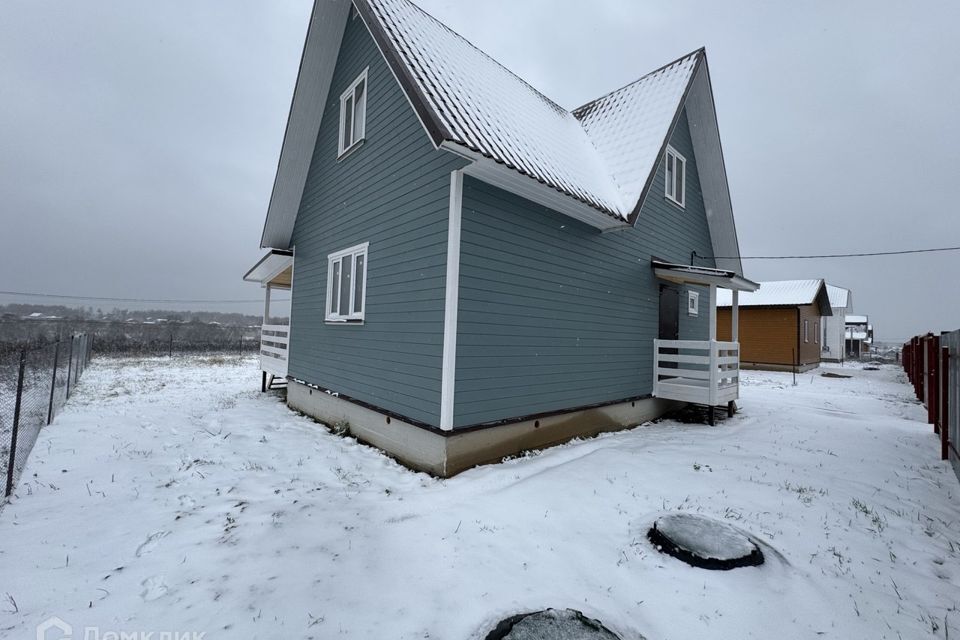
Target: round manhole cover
[
  {"x": 704, "y": 542},
  {"x": 551, "y": 624}
]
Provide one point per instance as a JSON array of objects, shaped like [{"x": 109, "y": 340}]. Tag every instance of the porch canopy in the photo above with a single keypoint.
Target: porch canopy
[
  {"x": 273, "y": 271},
  {"x": 712, "y": 278},
  {"x": 701, "y": 371}
]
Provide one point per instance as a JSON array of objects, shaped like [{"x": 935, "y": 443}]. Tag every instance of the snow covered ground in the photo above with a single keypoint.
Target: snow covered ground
[{"x": 171, "y": 496}]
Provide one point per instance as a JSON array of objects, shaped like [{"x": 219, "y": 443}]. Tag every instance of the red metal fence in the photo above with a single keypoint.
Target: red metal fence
[{"x": 932, "y": 363}]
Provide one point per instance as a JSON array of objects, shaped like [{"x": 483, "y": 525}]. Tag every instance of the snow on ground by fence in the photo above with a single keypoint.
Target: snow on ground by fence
[{"x": 172, "y": 496}]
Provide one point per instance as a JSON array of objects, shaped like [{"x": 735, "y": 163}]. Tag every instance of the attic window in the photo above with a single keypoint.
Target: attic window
[
  {"x": 347, "y": 284},
  {"x": 676, "y": 179},
  {"x": 353, "y": 115}
]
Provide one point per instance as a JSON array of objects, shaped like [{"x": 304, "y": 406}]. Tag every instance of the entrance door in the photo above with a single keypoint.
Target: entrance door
[
  {"x": 669, "y": 321},
  {"x": 669, "y": 313}
]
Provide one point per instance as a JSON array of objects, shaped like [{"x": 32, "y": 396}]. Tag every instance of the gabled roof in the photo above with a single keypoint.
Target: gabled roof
[
  {"x": 782, "y": 293},
  {"x": 595, "y": 163},
  {"x": 839, "y": 297}
]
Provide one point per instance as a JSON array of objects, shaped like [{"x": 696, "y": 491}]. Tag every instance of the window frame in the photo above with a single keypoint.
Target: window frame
[
  {"x": 354, "y": 317},
  {"x": 349, "y": 94},
  {"x": 816, "y": 332},
  {"x": 806, "y": 331},
  {"x": 672, "y": 197},
  {"x": 693, "y": 303}
]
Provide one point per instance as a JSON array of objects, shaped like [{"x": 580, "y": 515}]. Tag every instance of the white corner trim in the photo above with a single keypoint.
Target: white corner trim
[{"x": 449, "y": 374}]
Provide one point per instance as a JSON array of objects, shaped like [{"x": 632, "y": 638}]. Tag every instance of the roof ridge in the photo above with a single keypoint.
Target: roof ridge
[
  {"x": 586, "y": 105},
  {"x": 542, "y": 95}
]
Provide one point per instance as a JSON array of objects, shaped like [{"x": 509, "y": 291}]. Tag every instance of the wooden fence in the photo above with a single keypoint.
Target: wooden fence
[{"x": 932, "y": 363}]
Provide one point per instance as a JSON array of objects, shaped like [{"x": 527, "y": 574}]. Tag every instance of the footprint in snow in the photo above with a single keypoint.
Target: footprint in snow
[
  {"x": 186, "y": 502},
  {"x": 153, "y": 587},
  {"x": 151, "y": 542}
]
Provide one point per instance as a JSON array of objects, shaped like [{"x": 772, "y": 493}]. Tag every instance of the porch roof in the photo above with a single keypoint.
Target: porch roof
[
  {"x": 688, "y": 274},
  {"x": 275, "y": 268}
]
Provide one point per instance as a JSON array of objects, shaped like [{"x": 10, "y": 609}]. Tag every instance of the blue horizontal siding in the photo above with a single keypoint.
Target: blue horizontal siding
[
  {"x": 393, "y": 192},
  {"x": 554, "y": 314}
]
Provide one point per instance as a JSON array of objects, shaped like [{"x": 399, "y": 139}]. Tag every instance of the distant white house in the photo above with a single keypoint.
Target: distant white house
[
  {"x": 858, "y": 336},
  {"x": 832, "y": 347}
]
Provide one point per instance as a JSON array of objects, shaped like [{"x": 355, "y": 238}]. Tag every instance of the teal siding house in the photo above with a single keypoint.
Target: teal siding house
[{"x": 476, "y": 270}]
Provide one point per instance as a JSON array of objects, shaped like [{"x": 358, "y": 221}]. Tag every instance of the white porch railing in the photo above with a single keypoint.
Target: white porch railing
[
  {"x": 274, "y": 342},
  {"x": 700, "y": 371}
]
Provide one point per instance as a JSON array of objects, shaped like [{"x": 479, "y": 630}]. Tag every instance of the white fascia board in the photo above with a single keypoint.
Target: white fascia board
[
  {"x": 321, "y": 46},
  {"x": 705, "y": 134},
  {"x": 503, "y": 177}
]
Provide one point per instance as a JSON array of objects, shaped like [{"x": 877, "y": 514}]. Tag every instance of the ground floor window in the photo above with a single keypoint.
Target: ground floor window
[{"x": 347, "y": 284}]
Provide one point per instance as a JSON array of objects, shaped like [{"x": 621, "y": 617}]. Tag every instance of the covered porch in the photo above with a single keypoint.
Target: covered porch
[
  {"x": 274, "y": 272},
  {"x": 705, "y": 372}
]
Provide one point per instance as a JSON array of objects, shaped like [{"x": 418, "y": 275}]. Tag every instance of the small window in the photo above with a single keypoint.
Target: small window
[
  {"x": 806, "y": 331},
  {"x": 693, "y": 303},
  {"x": 353, "y": 114},
  {"x": 816, "y": 333},
  {"x": 676, "y": 179},
  {"x": 347, "y": 284}
]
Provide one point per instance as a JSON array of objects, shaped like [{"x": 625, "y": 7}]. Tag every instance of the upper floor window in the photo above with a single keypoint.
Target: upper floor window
[
  {"x": 347, "y": 284},
  {"x": 353, "y": 114},
  {"x": 676, "y": 189}
]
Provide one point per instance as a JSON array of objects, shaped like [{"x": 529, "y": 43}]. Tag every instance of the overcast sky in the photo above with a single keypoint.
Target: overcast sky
[{"x": 139, "y": 140}]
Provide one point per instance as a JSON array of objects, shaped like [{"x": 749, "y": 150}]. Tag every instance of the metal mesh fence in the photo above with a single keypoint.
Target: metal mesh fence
[{"x": 34, "y": 386}]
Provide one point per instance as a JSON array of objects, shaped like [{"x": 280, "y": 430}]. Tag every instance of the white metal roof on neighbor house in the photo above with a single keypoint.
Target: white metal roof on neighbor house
[
  {"x": 780, "y": 293},
  {"x": 839, "y": 297},
  {"x": 856, "y": 319}
]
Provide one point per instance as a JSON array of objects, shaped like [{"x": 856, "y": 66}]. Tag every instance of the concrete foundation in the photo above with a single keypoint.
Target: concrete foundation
[{"x": 445, "y": 454}]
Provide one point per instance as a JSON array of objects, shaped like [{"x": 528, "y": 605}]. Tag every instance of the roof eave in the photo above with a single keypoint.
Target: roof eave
[{"x": 509, "y": 179}]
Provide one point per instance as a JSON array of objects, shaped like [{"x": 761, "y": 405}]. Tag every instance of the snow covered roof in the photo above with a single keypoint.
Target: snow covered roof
[
  {"x": 856, "y": 320},
  {"x": 839, "y": 297},
  {"x": 689, "y": 274},
  {"x": 781, "y": 293},
  {"x": 595, "y": 163}
]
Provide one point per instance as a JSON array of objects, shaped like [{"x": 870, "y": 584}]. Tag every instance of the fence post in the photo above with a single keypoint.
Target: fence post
[
  {"x": 69, "y": 366},
  {"x": 944, "y": 401},
  {"x": 53, "y": 382},
  {"x": 170, "y": 351},
  {"x": 12, "y": 458},
  {"x": 932, "y": 380},
  {"x": 794, "y": 356}
]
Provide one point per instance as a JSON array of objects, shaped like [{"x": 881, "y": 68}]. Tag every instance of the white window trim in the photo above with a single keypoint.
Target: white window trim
[
  {"x": 352, "y": 318},
  {"x": 816, "y": 332},
  {"x": 342, "y": 150},
  {"x": 693, "y": 303},
  {"x": 806, "y": 331},
  {"x": 682, "y": 201}
]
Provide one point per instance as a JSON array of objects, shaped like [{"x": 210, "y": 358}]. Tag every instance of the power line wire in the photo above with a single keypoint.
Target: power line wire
[
  {"x": 832, "y": 255},
  {"x": 142, "y": 300},
  {"x": 251, "y": 300}
]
